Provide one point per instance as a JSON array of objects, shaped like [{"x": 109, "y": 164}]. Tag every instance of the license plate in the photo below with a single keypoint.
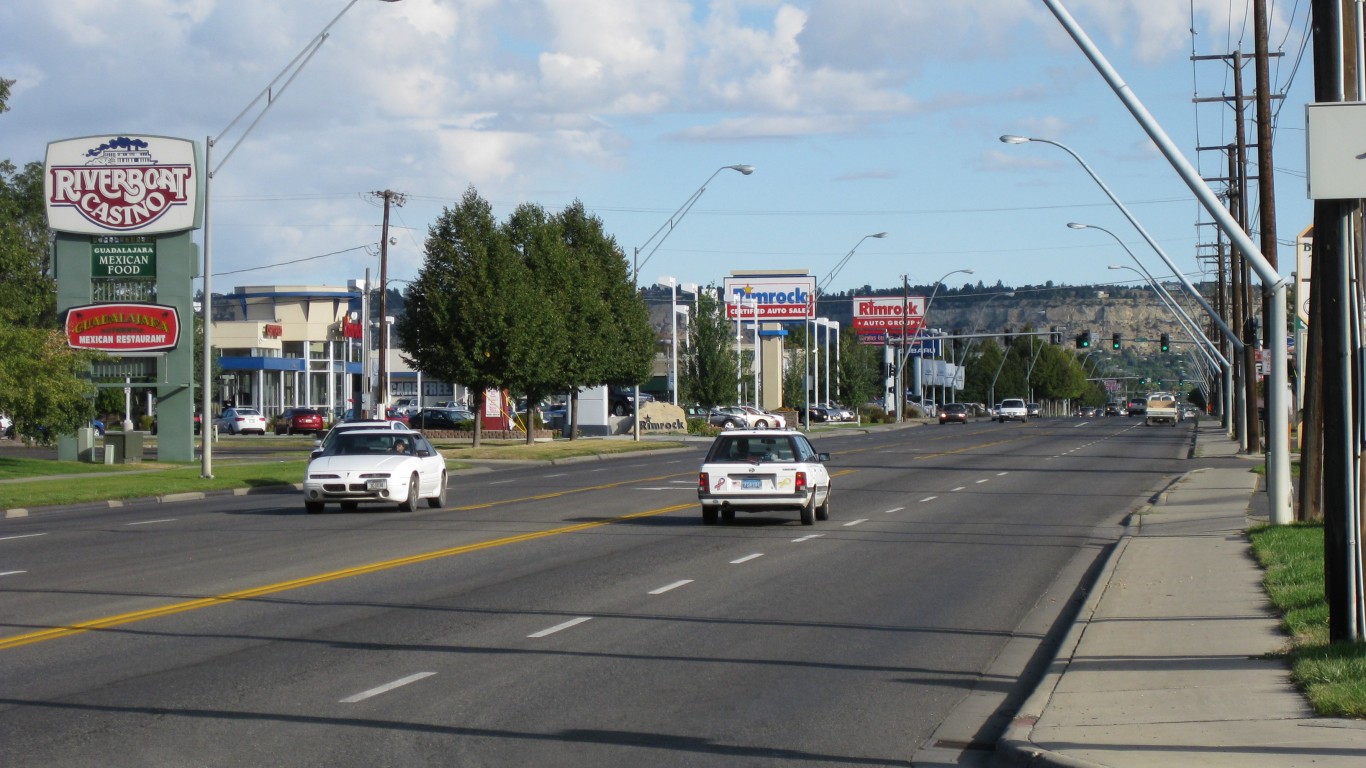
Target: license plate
[
  {"x": 751, "y": 484},
  {"x": 378, "y": 484}
]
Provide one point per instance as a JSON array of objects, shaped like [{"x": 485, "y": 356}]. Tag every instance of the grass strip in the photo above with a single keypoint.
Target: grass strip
[
  {"x": 169, "y": 479},
  {"x": 1332, "y": 675}
]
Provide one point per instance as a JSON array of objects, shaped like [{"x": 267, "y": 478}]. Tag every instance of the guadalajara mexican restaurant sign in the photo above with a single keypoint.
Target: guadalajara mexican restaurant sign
[
  {"x": 122, "y": 328},
  {"x": 101, "y": 185}
]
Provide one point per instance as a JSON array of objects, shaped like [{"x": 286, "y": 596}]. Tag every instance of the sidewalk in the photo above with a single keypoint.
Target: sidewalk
[{"x": 1166, "y": 664}]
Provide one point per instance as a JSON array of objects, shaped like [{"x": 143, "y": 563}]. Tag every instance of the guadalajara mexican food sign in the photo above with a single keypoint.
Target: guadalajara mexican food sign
[{"x": 122, "y": 328}]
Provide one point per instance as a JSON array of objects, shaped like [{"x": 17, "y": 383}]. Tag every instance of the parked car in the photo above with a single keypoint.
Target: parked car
[
  {"x": 953, "y": 412},
  {"x": 745, "y": 417},
  {"x": 241, "y": 421},
  {"x": 299, "y": 420},
  {"x": 818, "y": 413},
  {"x": 763, "y": 470},
  {"x": 839, "y": 412},
  {"x": 620, "y": 400},
  {"x": 375, "y": 466},
  {"x": 440, "y": 418}
]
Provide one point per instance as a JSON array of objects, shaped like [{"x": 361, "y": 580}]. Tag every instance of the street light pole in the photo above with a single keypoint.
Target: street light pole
[
  {"x": 662, "y": 234},
  {"x": 811, "y": 314},
  {"x": 270, "y": 94}
]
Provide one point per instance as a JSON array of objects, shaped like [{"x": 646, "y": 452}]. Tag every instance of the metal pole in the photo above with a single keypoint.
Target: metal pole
[{"x": 1279, "y": 489}]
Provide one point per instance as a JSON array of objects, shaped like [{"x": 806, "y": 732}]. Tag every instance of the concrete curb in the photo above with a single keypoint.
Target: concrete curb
[{"x": 1015, "y": 748}]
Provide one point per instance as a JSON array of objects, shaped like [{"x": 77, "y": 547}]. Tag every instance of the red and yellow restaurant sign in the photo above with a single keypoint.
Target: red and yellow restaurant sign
[{"x": 123, "y": 328}]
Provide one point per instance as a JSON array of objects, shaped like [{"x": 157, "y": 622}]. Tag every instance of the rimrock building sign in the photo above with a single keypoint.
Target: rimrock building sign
[{"x": 782, "y": 298}]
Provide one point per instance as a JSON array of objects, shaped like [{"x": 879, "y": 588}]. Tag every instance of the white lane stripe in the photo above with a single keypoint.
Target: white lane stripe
[
  {"x": 11, "y": 573},
  {"x": 961, "y": 488},
  {"x": 979, "y": 482},
  {"x": 856, "y": 522},
  {"x": 668, "y": 587},
  {"x": 22, "y": 536},
  {"x": 561, "y": 474},
  {"x": 559, "y": 627},
  {"x": 928, "y": 498},
  {"x": 747, "y": 558},
  {"x": 895, "y": 509},
  {"x": 362, "y": 696},
  {"x": 1002, "y": 474},
  {"x": 153, "y": 522},
  {"x": 809, "y": 538},
  {"x": 502, "y": 482}
]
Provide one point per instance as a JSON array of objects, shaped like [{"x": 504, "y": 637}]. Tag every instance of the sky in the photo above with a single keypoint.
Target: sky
[{"x": 859, "y": 117}]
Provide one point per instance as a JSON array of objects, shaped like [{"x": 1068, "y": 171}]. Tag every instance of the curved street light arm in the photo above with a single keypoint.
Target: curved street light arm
[{"x": 673, "y": 221}]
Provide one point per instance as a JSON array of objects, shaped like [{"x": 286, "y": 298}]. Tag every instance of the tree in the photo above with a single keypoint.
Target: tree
[
  {"x": 459, "y": 323},
  {"x": 43, "y": 383},
  {"x": 708, "y": 364},
  {"x": 860, "y": 367},
  {"x": 539, "y": 350}
]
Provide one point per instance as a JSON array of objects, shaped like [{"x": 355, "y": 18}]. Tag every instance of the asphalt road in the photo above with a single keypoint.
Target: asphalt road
[{"x": 578, "y": 615}]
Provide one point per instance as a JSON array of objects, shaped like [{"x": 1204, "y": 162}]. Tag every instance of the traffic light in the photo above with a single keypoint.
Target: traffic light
[
  {"x": 1166, "y": 342},
  {"x": 1115, "y": 342},
  {"x": 1084, "y": 340},
  {"x": 1055, "y": 335}
]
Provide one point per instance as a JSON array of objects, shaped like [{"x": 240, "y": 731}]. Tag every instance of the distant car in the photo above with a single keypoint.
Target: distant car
[
  {"x": 1035, "y": 410},
  {"x": 241, "y": 421},
  {"x": 839, "y": 412},
  {"x": 1013, "y": 409},
  {"x": 953, "y": 412},
  {"x": 299, "y": 420},
  {"x": 375, "y": 466},
  {"x": 763, "y": 470},
  {"x": 1136, "y": 406},
  {"x": 440, "y": 418},
  {"x": 819, "y": 413},
  {"x": 1112, "y": 409},
  {"x": 745, "y": 417}
]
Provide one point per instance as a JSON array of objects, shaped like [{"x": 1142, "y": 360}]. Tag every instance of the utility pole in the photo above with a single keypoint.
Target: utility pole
[
  {"x": 1266, "y": 187},
  {"x": 382, "y": 385}
]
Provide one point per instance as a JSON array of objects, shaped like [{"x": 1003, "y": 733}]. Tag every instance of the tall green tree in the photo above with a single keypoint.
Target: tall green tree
[
  {"x": 539, "y": 350},
  {"x": 860, "y": 370},
  {"x": 461, "y": 315},
  {"x": 582, "y": 297},
  {"x": 708, "y": 363}
]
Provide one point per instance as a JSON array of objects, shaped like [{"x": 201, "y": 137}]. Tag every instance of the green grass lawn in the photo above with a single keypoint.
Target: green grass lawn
[
  {"x": 1332, "y": 675},
  {"x": 162, "y": 479}
]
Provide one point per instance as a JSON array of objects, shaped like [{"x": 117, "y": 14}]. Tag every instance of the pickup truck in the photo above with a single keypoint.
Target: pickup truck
[{"x": 1161, "y": 409}]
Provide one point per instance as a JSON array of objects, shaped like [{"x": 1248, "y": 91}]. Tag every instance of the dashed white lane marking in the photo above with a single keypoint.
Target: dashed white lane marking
[
  {"x": 984, "y": 480},
  {"x": 809, "y": 537},
  {"x": 1083, "y": 424},
  {"x": 961, "y": 488},
  {"x": 561, "y": 474},
  {"x": 153, "y": 522},
  {"x": 11, "y": 573},
  {"x": 856, "y": 522},
  {"x": 668, "y": 587},
  {"x": 747, "y": 558},
  {"x": 560, "y": 627},
  {"x": 502, "y": 482},
  {"x": 363, "y": 695},
  {"x": 21, "y": 536},
  {"x": 1002, "y": 474},
  {"x": 928, "y": 498},
  {"x": 897, "y": 509}
]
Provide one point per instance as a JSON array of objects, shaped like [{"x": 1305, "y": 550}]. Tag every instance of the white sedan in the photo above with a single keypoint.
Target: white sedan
[
  {"x": 763, "y": 470},
  {"x": 375, "y": 466}
]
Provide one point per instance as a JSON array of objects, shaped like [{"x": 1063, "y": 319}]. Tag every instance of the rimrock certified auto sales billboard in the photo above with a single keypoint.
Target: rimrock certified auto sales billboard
[
  {"x": 780, "y": 298},
  {"x": 888, "y": 315}
]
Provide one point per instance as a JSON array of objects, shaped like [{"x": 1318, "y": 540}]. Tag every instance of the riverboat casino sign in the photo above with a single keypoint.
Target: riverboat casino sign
[
  {"x": 122, "y": 328},
  {"x": 120, "y": 185}
]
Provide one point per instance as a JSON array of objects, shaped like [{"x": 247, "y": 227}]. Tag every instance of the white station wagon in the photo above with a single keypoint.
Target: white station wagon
[
  {"x": 375, "y": 466},
  {"x": 763, "y": 470}
]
